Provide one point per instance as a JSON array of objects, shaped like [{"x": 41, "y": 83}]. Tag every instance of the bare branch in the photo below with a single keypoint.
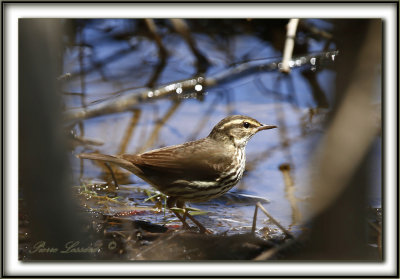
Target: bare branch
[
  {"x": 180, "y": 88},
  {"x": 289, "y": 44}
]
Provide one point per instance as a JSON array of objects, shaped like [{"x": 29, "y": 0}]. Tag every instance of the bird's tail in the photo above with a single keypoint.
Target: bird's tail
[{"x": 111, "y": 159}]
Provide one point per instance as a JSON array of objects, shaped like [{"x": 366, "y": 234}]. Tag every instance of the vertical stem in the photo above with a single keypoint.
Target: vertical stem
[
  {"x": 274, "y": 221},
  {"x": 112, "y": 174},
  {"x": 289, "y": 44},
  {"x": 253, "y": 228}
]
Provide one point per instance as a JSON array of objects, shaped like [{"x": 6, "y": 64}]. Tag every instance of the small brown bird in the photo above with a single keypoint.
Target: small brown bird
[{"x": 194, "y": 171}]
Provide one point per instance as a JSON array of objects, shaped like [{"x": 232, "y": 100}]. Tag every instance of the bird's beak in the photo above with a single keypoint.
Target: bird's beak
[{"x": 266, "y": 127}]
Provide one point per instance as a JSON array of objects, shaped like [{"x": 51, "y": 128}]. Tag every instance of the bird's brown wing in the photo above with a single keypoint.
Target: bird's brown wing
[{"x": 199, "y": 160}]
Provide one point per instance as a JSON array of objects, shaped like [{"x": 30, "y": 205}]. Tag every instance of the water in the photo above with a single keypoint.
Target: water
[{"x": 106, "y": 65}]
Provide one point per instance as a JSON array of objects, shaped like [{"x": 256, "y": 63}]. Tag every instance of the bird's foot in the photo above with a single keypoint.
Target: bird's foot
[
  {"x": 184, "y": 224},
  {"x": 186, "y": 214},
  {"x": 199, "y": 225}
]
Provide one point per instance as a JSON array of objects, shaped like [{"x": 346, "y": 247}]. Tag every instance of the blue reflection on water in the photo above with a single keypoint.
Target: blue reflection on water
[{"x": 269, "y": 97}]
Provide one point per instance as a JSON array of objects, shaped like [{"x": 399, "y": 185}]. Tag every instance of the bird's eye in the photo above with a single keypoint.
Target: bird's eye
[{"x": 246, "y": 125}]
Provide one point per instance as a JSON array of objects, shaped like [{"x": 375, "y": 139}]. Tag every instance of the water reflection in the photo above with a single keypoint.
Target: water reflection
[{"x": 136, "y": 85}]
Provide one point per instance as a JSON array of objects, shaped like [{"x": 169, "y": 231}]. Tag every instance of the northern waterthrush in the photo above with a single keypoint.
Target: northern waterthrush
[{"x": 194, "y": 171}]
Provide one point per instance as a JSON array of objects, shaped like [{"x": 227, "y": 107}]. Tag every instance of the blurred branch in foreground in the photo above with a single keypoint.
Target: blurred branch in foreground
[
  {"x": 340, "y": 183},
  {"x": 45, "y": 192}
]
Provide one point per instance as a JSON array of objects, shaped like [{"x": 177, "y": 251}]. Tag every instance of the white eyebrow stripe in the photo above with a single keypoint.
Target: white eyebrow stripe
[{"x": 237, "y": 121}]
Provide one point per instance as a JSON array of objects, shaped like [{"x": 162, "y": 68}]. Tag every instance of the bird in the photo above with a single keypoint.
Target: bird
[{"x": 194, "y": 171}]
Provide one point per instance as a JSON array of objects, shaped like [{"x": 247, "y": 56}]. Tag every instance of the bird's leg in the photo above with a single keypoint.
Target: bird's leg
[
  {"x": 181, "y": 204},
  {"x": 185, "y": 225},
  {"x": 201, "y": 227},
  {"x": 171, "y": 201}
]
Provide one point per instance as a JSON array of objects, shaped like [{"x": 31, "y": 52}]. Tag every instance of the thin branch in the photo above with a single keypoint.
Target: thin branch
[
  {"x": 129, "y": 131},
  {"x": 205, "y": 118},
  {"x": 162, "y": 52},
  {"x": 112, "y": 174},
  {"x": 196, "y": 84},
  {"x": 159, "y": 125},
  {"x": 289, "y": 44},
  {"x": 290, "y": 192},
  {"x": 253, "y": 228},
  {"x": 274, "y": 220},
  {"x": 271, "y": 253},
  {"x": 182, "y": 28}
]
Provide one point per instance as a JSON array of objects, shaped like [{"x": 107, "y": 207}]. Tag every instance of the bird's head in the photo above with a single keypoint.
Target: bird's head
[{"x": 237, "y": 129}]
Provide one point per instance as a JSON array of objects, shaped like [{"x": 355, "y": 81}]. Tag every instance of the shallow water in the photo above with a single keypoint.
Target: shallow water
[{"x": 270, "y": 97}]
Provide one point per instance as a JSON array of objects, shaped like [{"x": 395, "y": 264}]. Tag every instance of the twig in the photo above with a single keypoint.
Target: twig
[
  {"x": 253, "y": 228},
  {"x": 275, "y": 250},
  {"x": 87, "y": 141},
  {"x": 289, "y": 44},
  {"x": 315, "y": 31},
  {"x": 128, "y": 134},
  {"x": 162, "y": 53},
  {"x": 274, "y": 221},
  {"x": 96, "y": 65},
  {"x": 159, "y": 125},
  {"x": 317, "y": 91},
  {"x": 199, "y": 225},
  {"x": 205, "y": 117},
  {"x": 378, "y": 229},
  {"x": 182, "y": 28},
  {"x": 153, "y": 30},
  {"x": 289, "y": 192},
  {"x": 132, "y": 99},
  {"x": 112, "y": 174},
  {"x": 278, "y": 95}
]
